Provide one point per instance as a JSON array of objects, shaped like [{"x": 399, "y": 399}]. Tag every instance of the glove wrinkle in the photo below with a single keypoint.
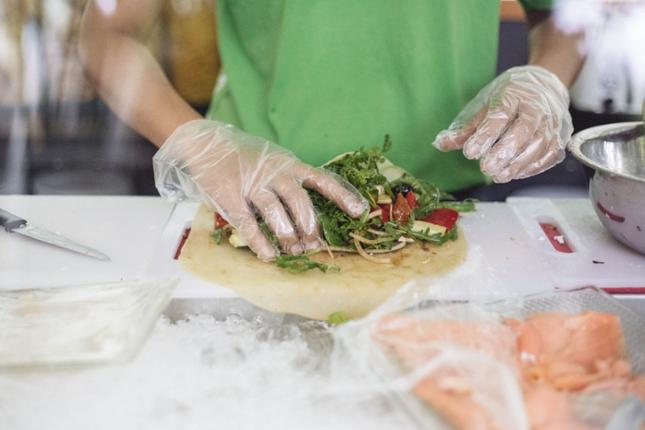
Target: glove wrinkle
[
  {"x": 244, "y": 177},
  {"x": 514, "y": 104}
]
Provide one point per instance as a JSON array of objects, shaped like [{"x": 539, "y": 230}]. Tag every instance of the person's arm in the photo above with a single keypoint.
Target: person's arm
[
  {"x": 124, "y": 71},
  {"x": 241, "y": 176},
  {"x": 553, "y": 49}
]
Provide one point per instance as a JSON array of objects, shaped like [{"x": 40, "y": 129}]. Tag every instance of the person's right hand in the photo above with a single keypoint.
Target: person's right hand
[{"x": 244, "y": 177}]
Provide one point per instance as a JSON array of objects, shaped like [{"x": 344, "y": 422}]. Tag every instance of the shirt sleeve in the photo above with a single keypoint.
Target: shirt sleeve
[{"x": 530, "y": 5}]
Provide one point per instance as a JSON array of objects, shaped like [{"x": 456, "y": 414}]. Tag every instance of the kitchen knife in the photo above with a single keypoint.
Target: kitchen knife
[{"x": 15, "y": 224}]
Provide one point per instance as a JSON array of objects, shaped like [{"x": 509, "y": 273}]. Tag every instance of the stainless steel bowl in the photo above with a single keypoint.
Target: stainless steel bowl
[{"x": 616, "y": 152}]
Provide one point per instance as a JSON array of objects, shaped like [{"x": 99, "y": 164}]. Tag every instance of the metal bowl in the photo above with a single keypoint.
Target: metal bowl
[{"x": 616, "y": 152}]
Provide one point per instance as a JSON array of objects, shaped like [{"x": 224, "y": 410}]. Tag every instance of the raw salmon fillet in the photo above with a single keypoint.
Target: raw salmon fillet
[
  {"x": 552, "y": 356},
  {"x": 571, "y": 352},
  {"x": 414, "y": 340}
]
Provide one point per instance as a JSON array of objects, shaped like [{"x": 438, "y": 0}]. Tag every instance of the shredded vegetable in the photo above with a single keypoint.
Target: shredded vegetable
[{"x": 389, "y": 224}]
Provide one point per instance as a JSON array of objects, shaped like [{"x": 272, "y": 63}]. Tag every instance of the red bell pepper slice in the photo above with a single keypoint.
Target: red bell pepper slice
[
  {"x": 444, "y": 217},
  {"x": 385, "y": 212},
  {"x": 412, "y": 200},
  {"x": 219, "y": 221},
  {"x": 182, "y": 242}
]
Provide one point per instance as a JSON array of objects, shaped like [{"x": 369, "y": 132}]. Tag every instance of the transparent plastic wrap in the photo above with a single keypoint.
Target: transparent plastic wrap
[
  {"x": 242, "y": 176},
  {"x": 517, "y": 126},
  {"x": 560, "y": 360},
  {"x": 79, "y": 325}
]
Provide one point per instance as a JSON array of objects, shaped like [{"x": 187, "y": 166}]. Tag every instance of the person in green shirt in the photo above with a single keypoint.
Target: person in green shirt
[{"x": 304, "y": 81}]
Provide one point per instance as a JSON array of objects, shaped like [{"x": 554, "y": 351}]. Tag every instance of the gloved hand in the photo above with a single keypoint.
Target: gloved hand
[
  {"x": 517, "y": 126},
  {"x": 241, "y": 175}
]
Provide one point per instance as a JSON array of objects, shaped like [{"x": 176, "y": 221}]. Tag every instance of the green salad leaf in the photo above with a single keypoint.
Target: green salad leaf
[
  {"x": 302, "y": 263},
  {"x": 216, "y": 235},
  {"x": 360, "y": 168},
  {"x": 269, "y": 234},
  {"x": 336, "y": 318}
]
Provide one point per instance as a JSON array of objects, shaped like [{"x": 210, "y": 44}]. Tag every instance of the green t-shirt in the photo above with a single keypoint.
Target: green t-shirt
[{"x": 322, "y": 77}]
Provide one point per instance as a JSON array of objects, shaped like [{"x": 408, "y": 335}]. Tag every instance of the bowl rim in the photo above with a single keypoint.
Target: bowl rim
[{"x": 578, "y": 139}]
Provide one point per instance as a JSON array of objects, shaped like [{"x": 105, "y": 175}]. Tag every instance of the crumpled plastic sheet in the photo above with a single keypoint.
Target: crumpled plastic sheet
[
  {"x": 79, "y": 325},
  {"x": 451, "y": 364}
]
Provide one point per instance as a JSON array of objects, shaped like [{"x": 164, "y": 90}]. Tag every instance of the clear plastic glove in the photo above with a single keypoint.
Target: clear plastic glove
[
  {"x": 517, "y": 126},
  {"x": 244, "y": 177}
]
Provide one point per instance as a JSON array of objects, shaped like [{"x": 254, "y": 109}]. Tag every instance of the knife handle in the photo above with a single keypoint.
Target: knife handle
[{"x": 10, "y": 221}]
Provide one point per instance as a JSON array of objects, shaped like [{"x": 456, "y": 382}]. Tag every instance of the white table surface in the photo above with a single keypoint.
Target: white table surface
[
  {"x": 503, "y": 245},
  {"x": 127, "y": 229}
]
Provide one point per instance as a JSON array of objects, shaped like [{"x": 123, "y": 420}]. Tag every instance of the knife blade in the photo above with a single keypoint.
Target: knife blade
[{"x": 14, "y": 224}]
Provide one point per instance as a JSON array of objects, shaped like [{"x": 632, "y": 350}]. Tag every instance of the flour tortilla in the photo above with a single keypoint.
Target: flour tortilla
[{"x": 356, "y": 289}]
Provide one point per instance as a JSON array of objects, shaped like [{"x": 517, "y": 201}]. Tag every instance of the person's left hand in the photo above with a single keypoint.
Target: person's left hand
[{"x": 517, "y": 126}]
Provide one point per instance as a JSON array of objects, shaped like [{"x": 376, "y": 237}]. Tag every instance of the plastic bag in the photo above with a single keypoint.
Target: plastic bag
[
  {"x": 477, "y": 365},
  {"x": 78, "y": 325}
]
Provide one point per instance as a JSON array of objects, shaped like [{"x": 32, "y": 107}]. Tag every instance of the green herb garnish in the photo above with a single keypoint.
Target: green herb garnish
[
  {"x": 269, "y": 234},
  {"x": 336, "y": 318},
  {"x": 450, "y": 235},
  {"x": 360, "y": 169},
  {"x": 216, "y": 235},
  {"x": 302, "y": 263}
]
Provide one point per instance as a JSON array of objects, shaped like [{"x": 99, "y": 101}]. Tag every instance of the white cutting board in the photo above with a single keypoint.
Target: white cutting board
[
  {"x": 127, "y": 229},
  {"x": 500, "y": 257},
  {"x": 597, "y": 258},
  {"x": 165, "y": 265},
  {"x": 507, "y": 252}
]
